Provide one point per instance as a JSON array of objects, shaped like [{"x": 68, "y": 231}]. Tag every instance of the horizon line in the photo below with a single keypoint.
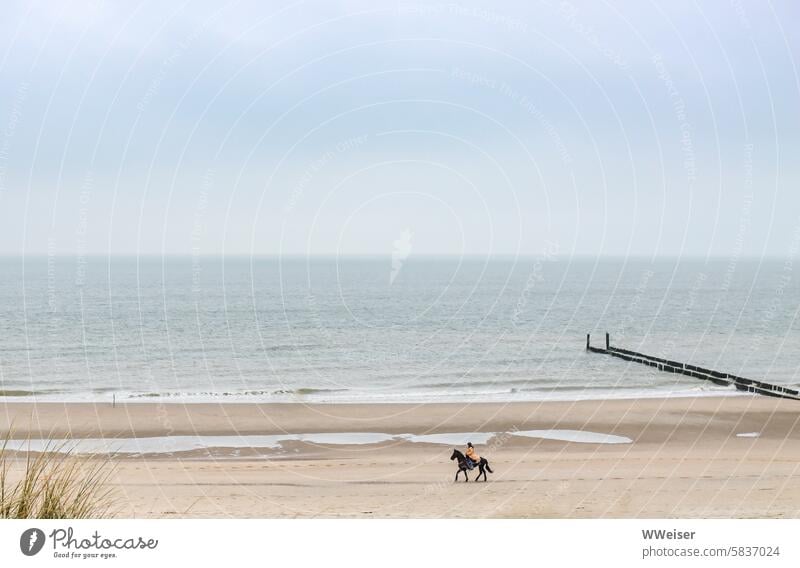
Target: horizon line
[{"x": 451, "y": 256}]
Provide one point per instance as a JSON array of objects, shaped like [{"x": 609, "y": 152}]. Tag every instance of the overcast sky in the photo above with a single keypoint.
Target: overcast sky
[{"x": 614, "y": 128}]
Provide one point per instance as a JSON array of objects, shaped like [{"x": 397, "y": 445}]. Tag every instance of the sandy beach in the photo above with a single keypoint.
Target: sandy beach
[{"x": 687, "y": 457}]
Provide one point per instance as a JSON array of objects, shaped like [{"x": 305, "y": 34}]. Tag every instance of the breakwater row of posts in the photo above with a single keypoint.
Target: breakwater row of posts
[{"x": 716, "y": 377}]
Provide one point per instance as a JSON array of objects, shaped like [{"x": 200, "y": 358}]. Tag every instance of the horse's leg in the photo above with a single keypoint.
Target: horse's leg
[
  {"x": 456, "y": 479},
  {"x": 466, "y": 477}
]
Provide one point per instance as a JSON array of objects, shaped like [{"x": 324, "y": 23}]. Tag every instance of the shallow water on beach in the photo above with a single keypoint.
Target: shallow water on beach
[
  {"x": 355, "y": 330},
  {"x": 176, "y": 444},
  {"x": 579, "y": 436},
  {"x": 451, "y": 438}
]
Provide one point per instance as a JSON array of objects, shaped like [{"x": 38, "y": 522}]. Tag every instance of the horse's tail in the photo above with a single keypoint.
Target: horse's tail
[{"x": 488, "y": 468}]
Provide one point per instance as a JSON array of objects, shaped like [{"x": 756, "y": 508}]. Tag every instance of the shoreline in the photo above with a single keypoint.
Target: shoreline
[{"x": 470, "y": 398}]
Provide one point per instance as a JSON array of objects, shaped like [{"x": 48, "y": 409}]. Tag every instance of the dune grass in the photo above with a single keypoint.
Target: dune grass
[{"x": 54, "y": 484}]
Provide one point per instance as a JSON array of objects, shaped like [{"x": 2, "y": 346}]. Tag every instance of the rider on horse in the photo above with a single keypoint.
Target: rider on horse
[
  {"x": 473, "y": 458},
  {"x": 470, "y": 461}
]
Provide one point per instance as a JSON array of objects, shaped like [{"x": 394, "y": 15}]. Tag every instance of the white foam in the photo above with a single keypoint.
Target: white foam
[
  {"x": 748, "y": 435},
  {"x": 579, "y": 436},
  {"x": 500, "y": 394}
]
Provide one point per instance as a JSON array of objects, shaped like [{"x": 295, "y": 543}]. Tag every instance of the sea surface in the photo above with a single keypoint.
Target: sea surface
[{"x": 414, "y": 329}]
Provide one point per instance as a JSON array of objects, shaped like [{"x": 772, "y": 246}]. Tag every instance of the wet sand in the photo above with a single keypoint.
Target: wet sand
[{"x": 686, "y": 458}]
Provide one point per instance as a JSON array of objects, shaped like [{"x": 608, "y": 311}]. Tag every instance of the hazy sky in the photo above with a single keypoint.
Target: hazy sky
[{"x": 625, "y": 127}]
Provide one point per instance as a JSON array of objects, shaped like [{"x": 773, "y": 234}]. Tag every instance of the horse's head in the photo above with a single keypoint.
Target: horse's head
[{"x": 456, "y": 455}]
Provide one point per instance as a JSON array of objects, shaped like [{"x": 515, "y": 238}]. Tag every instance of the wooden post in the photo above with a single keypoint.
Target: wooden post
[
  {"x": 587, "y": 342},
  {"x": 608, "y": 341},
  {"x": 114, "y": 400}
]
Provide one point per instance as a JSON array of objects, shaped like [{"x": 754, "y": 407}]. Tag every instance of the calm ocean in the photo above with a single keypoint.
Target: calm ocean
[{"x": 425, "y": 329}]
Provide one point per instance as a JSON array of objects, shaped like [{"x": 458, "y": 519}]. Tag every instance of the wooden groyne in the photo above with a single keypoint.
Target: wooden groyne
[{"x": 716, "y": 377}]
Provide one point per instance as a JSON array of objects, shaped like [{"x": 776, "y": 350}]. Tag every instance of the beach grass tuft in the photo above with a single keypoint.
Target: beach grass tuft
[{"x": 54, "y": 484}]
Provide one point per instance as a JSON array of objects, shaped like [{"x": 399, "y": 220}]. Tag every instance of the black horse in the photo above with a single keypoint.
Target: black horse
[{"x": 483, "y": 466}]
